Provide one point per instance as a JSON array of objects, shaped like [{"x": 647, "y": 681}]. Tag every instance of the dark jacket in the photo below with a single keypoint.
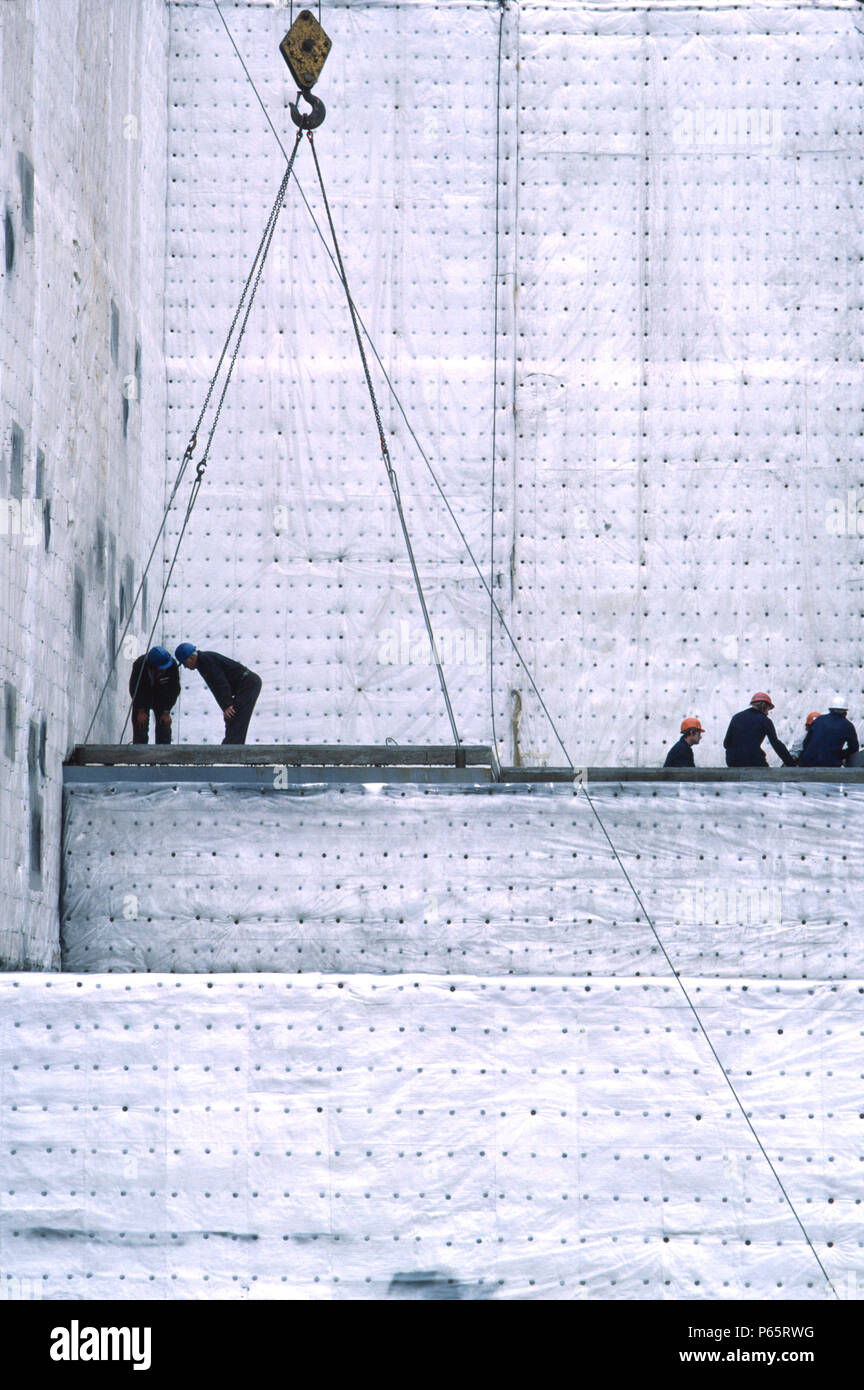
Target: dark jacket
[
  {"x": 830, "y": 740},
  {"x": 680, "y": 754},
  {"x": 223, "y": 676},
  {"x": 156, "y": 690},
  {"x": 743, "y": 741}
]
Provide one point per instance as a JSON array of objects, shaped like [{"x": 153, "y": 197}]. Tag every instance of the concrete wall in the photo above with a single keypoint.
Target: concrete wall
[{"x": 82, "y": 403}]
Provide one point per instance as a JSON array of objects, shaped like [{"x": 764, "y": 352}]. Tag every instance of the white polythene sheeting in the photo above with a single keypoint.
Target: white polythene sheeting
[
  {"x": 660, "y": 427},
  {"x": 741, "y": 881},
  {"x": 371, "y": 1137}
]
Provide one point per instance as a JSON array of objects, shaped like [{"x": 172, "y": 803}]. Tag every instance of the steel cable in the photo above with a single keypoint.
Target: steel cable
[{"x": 255, "y": 272}]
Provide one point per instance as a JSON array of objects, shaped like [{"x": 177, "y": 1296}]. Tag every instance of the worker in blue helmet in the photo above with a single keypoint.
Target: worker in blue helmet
[
  {"x": 235, "y": 688},
  {"x": 153, "y": 685}
]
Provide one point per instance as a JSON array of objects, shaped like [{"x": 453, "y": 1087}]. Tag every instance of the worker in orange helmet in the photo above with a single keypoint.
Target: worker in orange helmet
[
  {"x": 747, "y": 729},
  {"x": 797, "y": 747},
  {"x": 681, "y": 753}
]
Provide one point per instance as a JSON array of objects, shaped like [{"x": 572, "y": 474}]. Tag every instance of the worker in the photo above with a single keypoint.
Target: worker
[
  {"x": 746, "y": 732},
  {"x": 153, "y": 685},
  {"x": 798, "y": 746},
  {"x": 234, "y": 687},
  {"x": 681, "y": 753},
  {"x": 831, "y": 739}
]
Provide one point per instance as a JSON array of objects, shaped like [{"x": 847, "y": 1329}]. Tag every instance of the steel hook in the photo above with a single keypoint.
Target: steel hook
[{"x": 308, "y": 120}]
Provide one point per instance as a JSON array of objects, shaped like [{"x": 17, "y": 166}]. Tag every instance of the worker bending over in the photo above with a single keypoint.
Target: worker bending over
[
  {"x": 831, "y": 739},
  {"x": 681, "y": 753},
  {"x": 234, "y": 687},
  {"x": 746, "y": 733},
  {"x": 153, "y": 685}
]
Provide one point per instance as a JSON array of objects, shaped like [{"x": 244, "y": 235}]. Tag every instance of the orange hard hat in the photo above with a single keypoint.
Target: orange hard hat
[
  {"x": 760, "y": 698},
  {"x": 688, "y": 726},
  {"x": 809, "y": 720}
]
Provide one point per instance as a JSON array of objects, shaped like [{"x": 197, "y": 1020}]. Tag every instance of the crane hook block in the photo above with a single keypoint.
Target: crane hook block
[{"x": 305, "y": 48}]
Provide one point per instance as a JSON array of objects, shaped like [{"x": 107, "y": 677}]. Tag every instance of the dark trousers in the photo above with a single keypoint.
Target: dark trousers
[
  {"x": 141, "y": 733},
  {"x": 244, "y": 702}
]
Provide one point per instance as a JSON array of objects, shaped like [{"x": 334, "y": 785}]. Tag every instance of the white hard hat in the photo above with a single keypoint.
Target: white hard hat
[{"x": 837, "y": 702}]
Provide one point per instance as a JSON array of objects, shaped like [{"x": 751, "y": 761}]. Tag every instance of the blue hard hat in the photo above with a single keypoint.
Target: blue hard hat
[
  {"x": 158, "y": 657},
  {"x": 185, "y": 649}
]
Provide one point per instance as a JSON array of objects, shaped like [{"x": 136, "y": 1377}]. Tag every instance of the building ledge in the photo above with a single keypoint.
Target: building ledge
[{"x": 277, "y": 765}]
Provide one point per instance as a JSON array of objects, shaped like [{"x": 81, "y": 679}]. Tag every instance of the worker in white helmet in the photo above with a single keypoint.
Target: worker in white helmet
[{"x": 831, "y": 739}]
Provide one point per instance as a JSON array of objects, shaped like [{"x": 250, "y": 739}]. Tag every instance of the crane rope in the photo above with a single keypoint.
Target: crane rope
[{"x": 252, "y": 281}]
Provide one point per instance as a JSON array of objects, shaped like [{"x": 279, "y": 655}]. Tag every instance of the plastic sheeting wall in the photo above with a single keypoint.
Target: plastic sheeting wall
[
  {"x": 82, "y": 397},
  {"x": 293, "y": 560},
  {"x": 429, "y": 1133},
  {"x": 337, "y": 1137},
  {"x": 678, "y": 471},
  {"x": 743, "y": 882}
]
